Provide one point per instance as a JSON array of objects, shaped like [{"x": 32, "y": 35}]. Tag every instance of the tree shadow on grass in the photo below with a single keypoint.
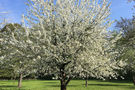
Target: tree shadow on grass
[
  {"x": 59, "y": 85},
  {"x": 9, "y": 86},
  {"x": 106, "y": 85},
  {"x": 114, "y": 85},
  {"x": 116, "y": 81},
  {"x": 132, "y": 87},
  {"x": 51, "y": 82},
  {"x": 2, "y": 83}
]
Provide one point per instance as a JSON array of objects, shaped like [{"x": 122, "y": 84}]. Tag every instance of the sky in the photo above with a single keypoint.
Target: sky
[{"x": 15, "y": 9}]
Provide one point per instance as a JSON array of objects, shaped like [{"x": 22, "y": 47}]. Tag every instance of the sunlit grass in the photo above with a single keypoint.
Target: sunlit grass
[{"x": 73, "y": 85}]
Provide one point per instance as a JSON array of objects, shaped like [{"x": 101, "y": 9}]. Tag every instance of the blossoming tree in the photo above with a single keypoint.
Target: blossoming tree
[
  {"x": 16, "y": 52},
  {"x": 70, "y": 39}
]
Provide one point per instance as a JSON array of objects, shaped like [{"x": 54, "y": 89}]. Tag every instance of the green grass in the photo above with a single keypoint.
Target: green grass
[{"x": 73, "y": 85}]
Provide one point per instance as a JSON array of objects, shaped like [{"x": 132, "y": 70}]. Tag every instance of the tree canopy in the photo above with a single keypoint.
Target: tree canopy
[{"x": 71, "y": 38}]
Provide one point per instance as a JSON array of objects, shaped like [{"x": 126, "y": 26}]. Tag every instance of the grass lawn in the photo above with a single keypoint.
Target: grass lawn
[{"x": 73, "y": 85}]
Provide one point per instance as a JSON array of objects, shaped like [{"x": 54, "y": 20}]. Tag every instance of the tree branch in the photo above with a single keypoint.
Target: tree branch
[{"x": 68, "y": 80}]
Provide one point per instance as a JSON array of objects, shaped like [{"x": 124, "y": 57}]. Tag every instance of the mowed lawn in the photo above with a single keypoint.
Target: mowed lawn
[{"x": 73, "y": 85}]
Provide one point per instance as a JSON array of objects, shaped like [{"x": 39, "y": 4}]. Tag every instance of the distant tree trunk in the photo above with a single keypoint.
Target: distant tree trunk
[
  {"x": 133, "y": 77},
  {"x": 86, "y": 81},
  {"x": 20, "y": 81}
]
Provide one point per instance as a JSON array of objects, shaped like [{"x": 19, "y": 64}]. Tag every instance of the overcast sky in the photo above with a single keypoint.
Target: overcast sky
[{"x": 15, "y": 8}]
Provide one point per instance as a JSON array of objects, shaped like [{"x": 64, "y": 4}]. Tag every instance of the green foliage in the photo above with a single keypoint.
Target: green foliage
[
  {"x": 126, "y": 44},
  {"x": 14, "y": 49},
  {"x": 11, "y": 26},
  {"x": 6, "y": 74}
]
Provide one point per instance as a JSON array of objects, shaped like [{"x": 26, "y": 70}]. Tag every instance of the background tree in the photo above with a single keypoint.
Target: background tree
[
  {"x": 16, "y": 52},
  {"x": 132, "y": 1},
  {"x": 71, "y": 38},
  {"x": 126, "y": 43},
  {"x": 5, "y": 72}
]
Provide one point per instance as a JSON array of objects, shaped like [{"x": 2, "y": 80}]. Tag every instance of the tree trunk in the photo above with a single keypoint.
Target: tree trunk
[
  {"x": 86, "y": 83},
  {"x": 20, "y": 81},
  {"x": 64, "y": 80},
  {"x": 63, "y": 85},
  {"x": 133, "y": 77}
]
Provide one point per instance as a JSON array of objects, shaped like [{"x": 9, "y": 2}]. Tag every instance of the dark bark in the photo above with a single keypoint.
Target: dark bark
[
  {"x": 63, "y": 85},
  {"x": 63, "y": 78},
  {"x": 86, "y": 81},
  {"x": 20, "y": 81},
  {"x": 133, "y": 77}
]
